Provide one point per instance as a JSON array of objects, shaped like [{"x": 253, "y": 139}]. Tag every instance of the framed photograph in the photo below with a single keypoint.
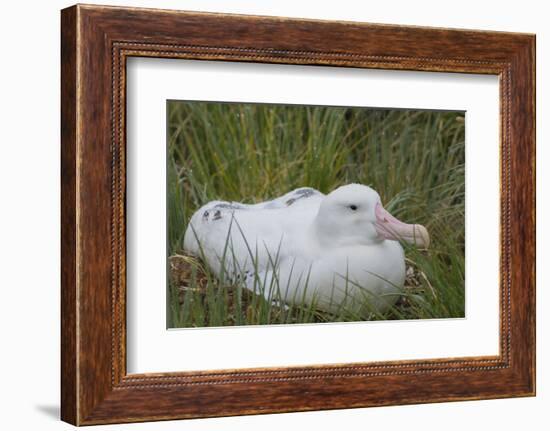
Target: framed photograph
[{"x": 266, "y": 215}]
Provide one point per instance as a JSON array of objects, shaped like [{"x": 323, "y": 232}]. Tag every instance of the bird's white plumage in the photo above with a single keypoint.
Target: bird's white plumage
[{"x": 307, "y": 246}]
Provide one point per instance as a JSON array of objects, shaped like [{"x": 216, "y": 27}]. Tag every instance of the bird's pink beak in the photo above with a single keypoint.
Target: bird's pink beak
[{"x": 388, "y": 227}]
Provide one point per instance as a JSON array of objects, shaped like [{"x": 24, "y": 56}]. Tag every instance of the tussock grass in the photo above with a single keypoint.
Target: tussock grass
[{"x": 251, "y": 153}]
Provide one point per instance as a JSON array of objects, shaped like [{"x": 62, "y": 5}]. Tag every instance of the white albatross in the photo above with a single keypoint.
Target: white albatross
[{"x": 332, "y": 250}]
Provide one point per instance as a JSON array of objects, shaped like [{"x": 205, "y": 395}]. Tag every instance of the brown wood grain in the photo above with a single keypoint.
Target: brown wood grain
[{"x": 96, "y": 41}]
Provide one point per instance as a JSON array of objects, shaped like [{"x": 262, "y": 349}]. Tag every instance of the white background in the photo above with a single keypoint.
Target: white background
[
  {"x": 151, "y": 348},
  {"x": 29, "y": 217}
]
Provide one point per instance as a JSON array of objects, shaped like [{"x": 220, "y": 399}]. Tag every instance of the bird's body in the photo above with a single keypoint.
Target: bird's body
[{"x": 304, "y": 247}]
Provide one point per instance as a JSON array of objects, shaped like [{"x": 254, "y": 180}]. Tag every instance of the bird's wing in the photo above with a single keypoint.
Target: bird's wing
[{"x": 243, "y": 240}]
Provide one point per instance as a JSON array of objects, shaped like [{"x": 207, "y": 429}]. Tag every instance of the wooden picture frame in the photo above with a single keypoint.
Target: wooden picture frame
[{"x": 95, "y": 43}]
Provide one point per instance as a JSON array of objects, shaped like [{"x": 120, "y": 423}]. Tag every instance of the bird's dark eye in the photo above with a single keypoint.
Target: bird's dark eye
[{"x": 353, "y": 207}]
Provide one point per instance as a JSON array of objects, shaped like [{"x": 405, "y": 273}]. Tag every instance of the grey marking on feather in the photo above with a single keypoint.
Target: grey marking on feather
[
  {"x": 238, "y": 277},
  {"x": 230, "y": 206},
  {"x": 304, "y": 193},
  {"x": 217, "y": 215}
]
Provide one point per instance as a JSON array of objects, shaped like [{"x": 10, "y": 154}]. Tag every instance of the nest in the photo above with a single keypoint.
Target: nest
[
  {"x": 186, "y": 267},
  {"x": 183, "y": 269},
  {"x": 189, "y": 274},
  {"x": 416, "y": 283}
]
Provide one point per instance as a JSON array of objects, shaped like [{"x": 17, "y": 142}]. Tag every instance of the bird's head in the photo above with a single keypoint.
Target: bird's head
[{"x": 353, "y": 215}]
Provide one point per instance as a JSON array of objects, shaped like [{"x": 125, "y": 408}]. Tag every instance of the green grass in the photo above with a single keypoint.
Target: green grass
[{"x": 251, "y": 153}]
